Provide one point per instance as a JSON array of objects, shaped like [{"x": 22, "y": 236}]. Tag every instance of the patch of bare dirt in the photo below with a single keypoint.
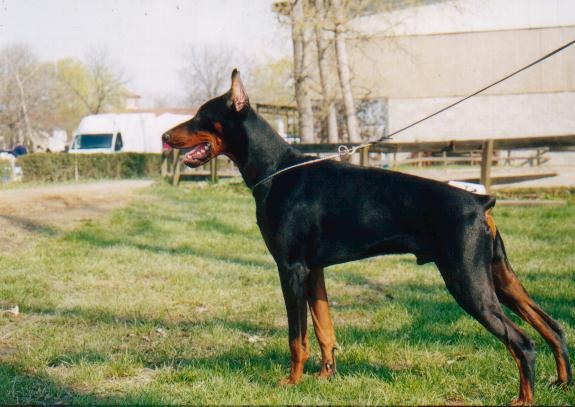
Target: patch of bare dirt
[{"x": 28, "y": 213}]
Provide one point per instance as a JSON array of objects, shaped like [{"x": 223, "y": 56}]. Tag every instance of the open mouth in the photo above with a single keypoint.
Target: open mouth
[{"x": 198, "y": 155}]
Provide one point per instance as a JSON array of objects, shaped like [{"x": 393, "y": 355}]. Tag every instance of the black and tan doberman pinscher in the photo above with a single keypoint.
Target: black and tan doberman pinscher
[{"x": 331, "y": 212}]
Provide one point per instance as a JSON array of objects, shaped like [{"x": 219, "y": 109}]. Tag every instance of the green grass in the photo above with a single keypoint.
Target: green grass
[{"x": 157, "y": 302}]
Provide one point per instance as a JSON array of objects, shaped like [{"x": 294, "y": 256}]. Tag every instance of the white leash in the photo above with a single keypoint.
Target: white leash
[{"x": 342, "y": 151}]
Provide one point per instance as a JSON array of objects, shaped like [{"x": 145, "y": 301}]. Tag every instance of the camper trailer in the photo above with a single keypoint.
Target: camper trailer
[{"x": 123, "y": 132}]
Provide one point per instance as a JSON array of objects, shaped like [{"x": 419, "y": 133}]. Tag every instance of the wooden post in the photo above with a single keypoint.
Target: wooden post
[
  {"x": 76, "y": 171},
  {"x": 214, "y": 171},
  {"x": 364, "y": 157},
  {"x": 175, "y": 159},
  {"x": 164, "y": 167},
  {"x": 539, "y": 154},
  {"x": 176, "y": 168},
  {"x": 486, "y": 158}
]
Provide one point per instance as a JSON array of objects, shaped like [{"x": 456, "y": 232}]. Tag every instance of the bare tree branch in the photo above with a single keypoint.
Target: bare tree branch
[
  {"x": 206, "y": 70},
  {"x": 107, "y": 84}
]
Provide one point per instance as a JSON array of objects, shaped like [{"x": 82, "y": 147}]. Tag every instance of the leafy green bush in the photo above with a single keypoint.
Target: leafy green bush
[
  {"x": 49, "y": 167},
  {"x": 5, "y": 171}
]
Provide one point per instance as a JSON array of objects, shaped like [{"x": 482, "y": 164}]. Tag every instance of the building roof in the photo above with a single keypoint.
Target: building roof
[
  {"x": 162, "y": 110},
  {"x": 132, "y": 95}
]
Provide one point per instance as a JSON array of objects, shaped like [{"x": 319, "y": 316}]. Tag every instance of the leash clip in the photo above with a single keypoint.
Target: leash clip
[{"x": 344, "y": 150}]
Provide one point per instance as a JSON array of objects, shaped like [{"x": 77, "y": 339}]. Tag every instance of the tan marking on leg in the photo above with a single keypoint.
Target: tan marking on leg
[
  {"x": 322, "y": 323},
  {"x": 515, "y": 297},
  {"x": 299, "y": 349},
  {"x": 525, "y": 393},
  {"x": 299, "y": 355}
]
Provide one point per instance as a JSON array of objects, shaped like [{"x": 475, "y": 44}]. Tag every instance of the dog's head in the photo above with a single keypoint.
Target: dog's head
[{"x": 211, "y": 131}]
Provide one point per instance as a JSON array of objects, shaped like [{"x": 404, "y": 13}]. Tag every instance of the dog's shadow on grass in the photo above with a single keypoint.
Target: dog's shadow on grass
[
  {"x": 19, "y": 386},
  {"x": 30, "y": 225},
  {"x": 431, "y": 301},
  {"x": 99, "y": 241}
]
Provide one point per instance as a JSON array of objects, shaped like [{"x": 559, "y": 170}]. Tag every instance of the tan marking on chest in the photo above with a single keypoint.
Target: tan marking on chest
[{"x": 491, "y": 223}]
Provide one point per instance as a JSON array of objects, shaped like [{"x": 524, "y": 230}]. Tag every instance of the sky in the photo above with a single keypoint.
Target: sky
[{"x": 146, "y": 38}]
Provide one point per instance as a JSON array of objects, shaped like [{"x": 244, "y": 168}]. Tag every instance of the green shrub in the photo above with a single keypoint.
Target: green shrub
[
  {"x": 5, "y": 171},
  {"x": 49, "y": 167}
]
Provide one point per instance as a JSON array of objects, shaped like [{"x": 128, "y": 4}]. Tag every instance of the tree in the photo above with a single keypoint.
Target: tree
[
  {"x": 343, "y": 71},
  {"x": 36, "y": 97},
  {"x": 267, "y": 82},
  {"x": 328, "y": 19},
  {"x": 301, "y": 65},
  {"x": 206, "y": 72},
  {"x": 107, "y": 84},
  {"x": 94, "y": 84},
  {"x": 322, "y": 46},
  {"x": 73, "y": 92},
  {"x": 26, "y": 88}
]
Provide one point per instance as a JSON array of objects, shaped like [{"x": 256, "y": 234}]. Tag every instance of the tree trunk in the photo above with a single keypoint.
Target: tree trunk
[
  {"x": 322, "y": 45},
  {"x": 343, "y": 73},
  {"x": 301, "y": 77},
  {"x": 28, "y": 135}
]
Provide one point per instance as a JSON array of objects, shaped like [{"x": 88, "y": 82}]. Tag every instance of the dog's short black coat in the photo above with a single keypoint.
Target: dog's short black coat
[
  {"x": 343, "y": 212},
  {"x": 331, "y": 212}
]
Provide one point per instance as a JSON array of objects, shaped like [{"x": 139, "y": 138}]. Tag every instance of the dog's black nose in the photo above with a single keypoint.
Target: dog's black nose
[{"x": 166, "y": 137}]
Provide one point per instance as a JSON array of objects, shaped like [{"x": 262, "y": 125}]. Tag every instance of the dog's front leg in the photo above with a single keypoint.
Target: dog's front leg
[
  {"x": 322, "y": 323},
  {"x": 294, "y": 280}
]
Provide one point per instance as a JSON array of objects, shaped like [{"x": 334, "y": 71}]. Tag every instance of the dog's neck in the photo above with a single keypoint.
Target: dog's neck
[{"x": 263, "y": 150}]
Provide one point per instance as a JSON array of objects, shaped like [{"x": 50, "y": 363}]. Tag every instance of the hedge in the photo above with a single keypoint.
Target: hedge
[{"x": 49, "y": 167}]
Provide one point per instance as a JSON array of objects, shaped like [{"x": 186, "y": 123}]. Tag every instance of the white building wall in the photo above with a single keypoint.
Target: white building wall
[
  {"x": 423, "y": 58},
  {"x": 459, "y": 16},
  {"x": 496, "y": 116},
  {"x": 460, "y": 63}
]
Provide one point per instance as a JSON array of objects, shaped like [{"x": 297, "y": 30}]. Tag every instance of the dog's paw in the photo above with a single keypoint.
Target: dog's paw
[
  {"x": 561, "y": 384},
  {"x": 521, "y": 402},
  {"x": 324, "y": 375},
  {"x": 288, "y": 381},
  {"x": 327, "y": 371}
]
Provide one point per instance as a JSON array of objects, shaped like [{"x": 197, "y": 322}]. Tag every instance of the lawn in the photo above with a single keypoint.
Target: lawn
[{"x": 175, "y": 299}]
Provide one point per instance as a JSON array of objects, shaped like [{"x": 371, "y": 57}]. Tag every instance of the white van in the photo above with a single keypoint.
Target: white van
[{"x": 123, "y": 132}]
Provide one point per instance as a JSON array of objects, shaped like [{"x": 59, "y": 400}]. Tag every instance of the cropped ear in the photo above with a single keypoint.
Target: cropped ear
[{"x": 238, "y": 92}]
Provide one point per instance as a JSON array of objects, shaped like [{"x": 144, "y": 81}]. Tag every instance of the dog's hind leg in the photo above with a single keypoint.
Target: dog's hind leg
[
  {"x": 294, "y": 280},
  {"x": 322, "y": 324},
  {"x": 465, "y": 267},
  {"x": 512, "y": 294}
]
